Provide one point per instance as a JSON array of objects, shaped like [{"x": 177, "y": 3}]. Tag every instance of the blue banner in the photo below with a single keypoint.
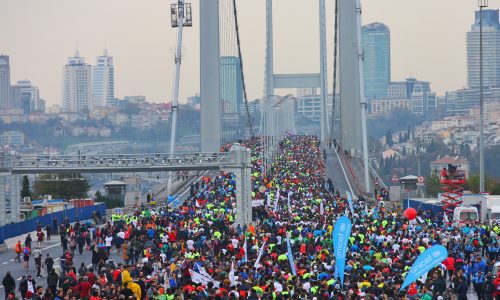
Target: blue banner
[
  {"x": 375, "y": 213},
  {"x": 430, "y": 258},
  {"x": 341, "y": 233},
  {"x": 349, "y": 200},
  {"x": 290, "y": 256}
]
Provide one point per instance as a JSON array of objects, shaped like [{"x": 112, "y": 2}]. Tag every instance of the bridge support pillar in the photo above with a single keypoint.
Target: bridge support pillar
[{"x": 241, "y": 166}]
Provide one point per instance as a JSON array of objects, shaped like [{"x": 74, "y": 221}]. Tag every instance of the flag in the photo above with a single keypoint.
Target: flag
[
  {"x": 349, "y": 200},
  {"x": 375, "y": 213},
  {"x": 245, "y": 249},
  {"x": 256, "y": 265},
  {"x": 199, "y": 278},
  {"x": 276, "y": 201},
  {"x": 290, "y": 193},
  {"x": 430, "y": 258},
  {"x": 290, "y": 256},
  {"x": 268, "y": 199},
  {"x": 341, "y": 233},
  {"x": 445, "y": 218},
  {"x": 321, "y": 208},
  {"x": 231, "y": 275}
]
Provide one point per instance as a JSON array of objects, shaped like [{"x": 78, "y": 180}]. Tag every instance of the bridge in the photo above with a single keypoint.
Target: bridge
[{"x": 220, "y": 38}]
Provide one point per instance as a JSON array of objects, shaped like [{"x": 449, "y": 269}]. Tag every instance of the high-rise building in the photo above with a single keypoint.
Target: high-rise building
[
  {"x": 491, "y": 50},
  {"x": 103, "y": 81},
  {"x": 5, "y": 98},
  {"x": 376, "y": 43},
  {"x": 231, "y": 84},
  {"x": 231, "y": 89},
  {"x": 77, "y": 85},
  {"x": 29, "y": 97}
]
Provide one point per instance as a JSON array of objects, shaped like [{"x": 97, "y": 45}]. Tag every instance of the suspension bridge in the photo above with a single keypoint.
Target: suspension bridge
[{"x": 221, "y": 112}]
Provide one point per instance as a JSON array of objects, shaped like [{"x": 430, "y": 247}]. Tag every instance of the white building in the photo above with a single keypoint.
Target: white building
[
  {"x": 491, "y": 50},
  {"x": 76, "y": 94},
  {"x": 12, "y": 138},
  {"x": 103, "y": 81}
]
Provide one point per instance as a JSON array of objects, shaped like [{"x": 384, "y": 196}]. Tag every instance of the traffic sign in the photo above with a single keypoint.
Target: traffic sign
[
  {"x": 395, "y": 178},
  {"x": 420, "y": 179}
]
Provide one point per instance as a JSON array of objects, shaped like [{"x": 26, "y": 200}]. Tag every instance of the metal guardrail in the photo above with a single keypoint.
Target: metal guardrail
[
  {"x": 376, "y": 176},
  {"x": 112, "y": 162}
]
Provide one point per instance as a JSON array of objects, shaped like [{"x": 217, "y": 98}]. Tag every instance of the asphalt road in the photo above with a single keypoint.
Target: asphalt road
[
  {"x": 334, "y": 171},
  {"x": 54, "y": 248}
]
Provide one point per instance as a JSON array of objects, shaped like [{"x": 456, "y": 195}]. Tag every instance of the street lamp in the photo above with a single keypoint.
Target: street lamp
[{"x": 482, "y": 4}]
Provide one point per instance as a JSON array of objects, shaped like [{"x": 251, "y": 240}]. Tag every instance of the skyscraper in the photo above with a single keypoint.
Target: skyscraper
[
  {"x": 376, "y": 43},
  {"x": 29, "y": 97},
  {"x": 103, "y": 81},
  {"x": 76, "y": 95},
  {"x": 5, "y": 98},
  {"x": 491, "y": 50},
  {"x": 231, "y": 89}
]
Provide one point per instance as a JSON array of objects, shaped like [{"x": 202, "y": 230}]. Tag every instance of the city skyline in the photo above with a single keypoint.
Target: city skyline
[{"x": 430, "y": 54}]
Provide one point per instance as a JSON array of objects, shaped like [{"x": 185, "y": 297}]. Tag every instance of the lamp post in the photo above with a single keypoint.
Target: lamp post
[{"x": 482, "y": 4}]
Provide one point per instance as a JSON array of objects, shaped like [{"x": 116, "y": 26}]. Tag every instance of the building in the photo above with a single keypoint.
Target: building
[
  {"x": 194, "y": 102},
  {"x": 29, "y": 97},
  {"x": 461, "y": 163},
  {"x": 12, "y": 138},
  {"x": 103, "y": 81},
  {"x": 309, "y": 106},
  {"x": 462, "y": 100},
  {"x": 5, "y": 98},
  {"x": 77, "y": 85},
  {"x": 231, "y": 91},
  {"x": 491, "y": 50},
  {"x": 376, "y": 43},
  {"x": 422, "y": 99},
  {"x": 385, "y": 106}
]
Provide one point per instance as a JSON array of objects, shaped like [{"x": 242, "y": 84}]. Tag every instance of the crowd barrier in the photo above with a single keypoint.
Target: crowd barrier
[{"x": 73, "y": 215}]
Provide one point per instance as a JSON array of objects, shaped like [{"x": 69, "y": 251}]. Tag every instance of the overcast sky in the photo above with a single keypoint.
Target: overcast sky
[{"x": 427, "y": 36}]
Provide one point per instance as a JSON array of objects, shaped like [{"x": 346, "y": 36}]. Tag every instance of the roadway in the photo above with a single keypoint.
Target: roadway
[
  {"x": 334, "y": 170},
  {"x": 54, "y": 248}
]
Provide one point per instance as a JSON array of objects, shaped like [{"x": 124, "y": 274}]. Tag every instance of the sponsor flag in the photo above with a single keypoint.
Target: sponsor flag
[
  {"x": 430, "y": 258},
  {"x": 341, "y": 233},
  {"x": 256, "y": 265},
  {"x": 290, "y": 256},
  {"x": 349, "y": 200}
]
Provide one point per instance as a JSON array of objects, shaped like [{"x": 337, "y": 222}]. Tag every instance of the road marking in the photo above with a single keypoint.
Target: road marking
[
  {"x": 19, "y": 278},
  {"x": 11, "y": 259},
  {"x": 4, "y": 263},
  {"x": 57, "y": 259}
]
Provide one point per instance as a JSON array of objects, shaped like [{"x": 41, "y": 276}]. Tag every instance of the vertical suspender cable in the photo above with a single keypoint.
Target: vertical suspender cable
[
  {"x": 249, "y": 119},
  {"x": 332, "y": 134}
]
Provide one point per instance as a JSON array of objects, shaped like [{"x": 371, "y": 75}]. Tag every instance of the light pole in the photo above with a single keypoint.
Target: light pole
[
  {"x": 481, "y": 4},
  {"x": 181, "y": 17}
]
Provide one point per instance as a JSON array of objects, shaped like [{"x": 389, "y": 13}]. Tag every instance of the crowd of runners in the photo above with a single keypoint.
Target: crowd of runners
[{"x": 196, "y": 252}]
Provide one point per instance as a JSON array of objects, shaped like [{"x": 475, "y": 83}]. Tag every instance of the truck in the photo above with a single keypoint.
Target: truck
[{"x": 493, "y": 205}]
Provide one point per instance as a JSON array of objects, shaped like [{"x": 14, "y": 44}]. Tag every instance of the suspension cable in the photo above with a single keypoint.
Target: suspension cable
[
  {"x": 335, "y": 54},
  {"x": 249, "y": 119}
]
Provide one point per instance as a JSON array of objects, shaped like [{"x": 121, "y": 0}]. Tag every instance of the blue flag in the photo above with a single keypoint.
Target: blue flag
[
  {"x": 341, "y": 233},
  {"x": 349, "y": 200},
  {"x": 290, "y": 256},
  {"x": 430, "y": 258},
  {"x": 375, "y": 213}
]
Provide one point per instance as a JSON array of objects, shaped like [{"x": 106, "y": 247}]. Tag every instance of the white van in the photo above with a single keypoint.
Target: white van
[{"x": 465, "y": 215}]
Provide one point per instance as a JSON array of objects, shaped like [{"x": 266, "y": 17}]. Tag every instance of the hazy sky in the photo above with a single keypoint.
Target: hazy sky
[{"x": 427, "y": 36}]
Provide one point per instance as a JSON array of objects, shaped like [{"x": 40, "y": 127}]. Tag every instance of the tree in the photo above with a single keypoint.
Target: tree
[
  {"x": 110, "y": 202},
  {"x": 26, "y": 190},
  {"x": 388, "y": 138},
  {"x": 62, "y": 186},
  {"x": 433, "y": 186}
]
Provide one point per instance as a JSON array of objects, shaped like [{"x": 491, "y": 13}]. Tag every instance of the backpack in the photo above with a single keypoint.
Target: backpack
[{"x": 26, "y": 251}]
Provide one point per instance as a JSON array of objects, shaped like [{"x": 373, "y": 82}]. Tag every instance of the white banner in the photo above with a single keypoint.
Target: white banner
[
  {"x": 321, "y": 208},
  {"x": 256, "y": 265},
  {"x": 258, "y": 202},
  {"x": 276, "y": 200},
  {"x": 231, "y": 275},
  {"x": 199, "y": 278},
  {"x": 268, "y": 198}
]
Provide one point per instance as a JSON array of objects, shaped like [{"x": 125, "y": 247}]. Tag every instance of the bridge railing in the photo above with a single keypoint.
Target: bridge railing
[{"x": 111, "y": 160}]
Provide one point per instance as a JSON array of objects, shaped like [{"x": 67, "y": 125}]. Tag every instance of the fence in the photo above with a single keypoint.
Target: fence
[
  {"x": 73, "y": 215},
  {"x": 436, "y": 209}
]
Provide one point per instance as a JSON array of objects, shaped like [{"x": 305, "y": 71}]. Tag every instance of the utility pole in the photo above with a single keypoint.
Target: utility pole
[
  {"x": 181, "y": 16},
  {"x": 481, "y": 4}
]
